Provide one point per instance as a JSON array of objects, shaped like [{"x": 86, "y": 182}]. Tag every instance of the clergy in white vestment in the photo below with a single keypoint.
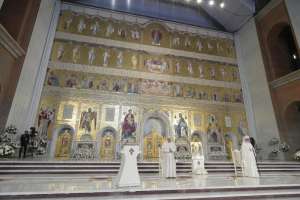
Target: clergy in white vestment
[
  {"x": 248, "y": 158},
  {"x": 168, "y": 159}
]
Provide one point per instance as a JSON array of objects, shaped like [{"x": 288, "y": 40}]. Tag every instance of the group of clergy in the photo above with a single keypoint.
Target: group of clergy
[
  {"x": 128, "y": 175},
  {"x": 168, "y": 162}
]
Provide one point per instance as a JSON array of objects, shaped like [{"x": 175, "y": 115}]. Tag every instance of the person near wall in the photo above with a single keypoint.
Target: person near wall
[
  {"x": 24, "y": 143},
  {"x": 248, "y": 158},
  {"x": 168, "y": 159}
]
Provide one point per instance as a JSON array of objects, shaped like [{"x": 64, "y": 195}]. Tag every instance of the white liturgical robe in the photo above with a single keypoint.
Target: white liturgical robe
[
  {"x": 128, "y": 175},
  {"x": 168, "y": 160},
  {"x": 248, "y": 158}
]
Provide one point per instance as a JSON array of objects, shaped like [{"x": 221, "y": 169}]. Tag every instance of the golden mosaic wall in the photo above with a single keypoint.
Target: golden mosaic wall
[{"x": 115, "y": 82}]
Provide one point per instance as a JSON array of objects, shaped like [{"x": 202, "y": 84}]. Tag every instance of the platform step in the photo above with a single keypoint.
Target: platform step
[{"x": 224, "y": 193}]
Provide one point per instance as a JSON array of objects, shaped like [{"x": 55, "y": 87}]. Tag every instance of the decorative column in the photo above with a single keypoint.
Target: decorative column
[
  {"x": 1, "y": 2},
  {"x": 26, "y": 100},
  {"x": 259, "y": 108}
]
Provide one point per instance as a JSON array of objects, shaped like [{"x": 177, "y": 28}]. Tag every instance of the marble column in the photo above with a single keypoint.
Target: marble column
[
  {"x": 1, "y": 2},
  {"x": 26, "y": 100},
  {"x": 293, "y": 7},
  {"x": 259, "y": 108}
]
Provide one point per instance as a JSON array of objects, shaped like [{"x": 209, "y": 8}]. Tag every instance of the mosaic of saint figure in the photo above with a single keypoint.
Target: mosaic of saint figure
[
  {"x": 187, "y": 42},
  {"x": 106, "y": 57},
  {"x": 129, "y": 125},
  {"x": 122, "y": 33},
  {"x": 190, "y": 68},
  {"x": 72, "y": 81},
  {"x": 87, "y": 117},
  {"x": 176, "y": 41},
  {"x": 201, "y": 71},
  {"x": 199, "y": 45},
  {"x": 95, "y": 28},
  {"x": 135, "y": 34},
  {"x": 91, "y": 55},
  {"x": 63, "y": 144},
  {"x": 60, "y": 52},
  {"x": 67, "y": 23},
  {"x": 223, "y": 73},
  {"x": 52, "y": 79},
  {"x": 156, "y": 37},
  {"x": 109, "y": 30},
  {"x": 120, "y": 59},
  {"x": 46, "y": 117},
  {"x": 177, "y": 67},
  {"x": 87, "y": 83},
  {"x": 81, "y": 26},
  {"x": 75, "y": 54},
  {"x": 181, "y": 128},
  {"x": 134, "y": 61}
]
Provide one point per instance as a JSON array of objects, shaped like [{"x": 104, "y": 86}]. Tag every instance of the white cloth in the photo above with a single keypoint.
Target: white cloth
[
  {"x": 248, "y": 158},
  {"x": 128, "y": 175},
  {"x": 198, "y": 165},
  {"x": 168, "y": 160}
]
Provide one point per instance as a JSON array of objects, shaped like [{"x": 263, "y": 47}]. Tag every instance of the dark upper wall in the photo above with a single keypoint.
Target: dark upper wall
[
  {"x": 159, "y": 9},
  {"x": 18, "y": 18}
]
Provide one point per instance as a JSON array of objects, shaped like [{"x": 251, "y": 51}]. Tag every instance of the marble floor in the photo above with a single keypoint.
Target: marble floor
[{"x": 69, "y": 184}]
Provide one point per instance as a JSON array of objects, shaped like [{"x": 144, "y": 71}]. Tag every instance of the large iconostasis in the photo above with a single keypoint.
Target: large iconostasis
[{"x": 98, "y": 96}]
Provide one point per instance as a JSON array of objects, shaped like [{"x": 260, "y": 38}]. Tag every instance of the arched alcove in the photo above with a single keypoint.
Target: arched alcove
[
  {"x": 63, "y": 134},
  {"x": 292, "y": 123},
  {"x": 283, "y": 54},
  {"x": 106, "y": 140}
]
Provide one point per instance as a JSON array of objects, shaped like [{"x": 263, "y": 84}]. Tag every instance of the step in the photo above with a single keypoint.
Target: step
[{"x": 250, "y": 192}]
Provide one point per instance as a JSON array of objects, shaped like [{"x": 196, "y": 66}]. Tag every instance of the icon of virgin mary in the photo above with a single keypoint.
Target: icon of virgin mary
[{"x": 128, "y": 126}]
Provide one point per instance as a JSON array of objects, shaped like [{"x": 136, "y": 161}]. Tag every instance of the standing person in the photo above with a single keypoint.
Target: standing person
[
  {"x": 248, "y": 158},
  {"x": 24, "y": 142},
  {"x": 168, "y": 159}
]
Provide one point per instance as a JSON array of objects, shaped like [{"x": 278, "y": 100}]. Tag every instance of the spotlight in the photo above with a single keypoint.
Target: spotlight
[
  {"x": 211, "y": 2},
  {"x": 199, "y": 1},
  {"x": 222, "y": 5},
  {"x": 294, "y": 57}
]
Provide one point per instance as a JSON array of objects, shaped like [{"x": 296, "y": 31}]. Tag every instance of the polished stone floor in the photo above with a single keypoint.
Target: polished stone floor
[{"x": 61, "y": 183}]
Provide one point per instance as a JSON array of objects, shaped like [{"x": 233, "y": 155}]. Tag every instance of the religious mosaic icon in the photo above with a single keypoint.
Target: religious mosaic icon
[
  {"x": 91, "y": 55},
  {"x": 71, "y": 81},
  {"x": 87, "y": 83},
  {"x": 52, "y": 79},
  {"x": 106, "y": 57},
  {"x": 176, "y": 41},
  {"x": 109, "y": 30},
  {"x": 156, "y": 37},
  {"x": 156, "y": 65},
  {"x": 120, "y": 59},
  {"x": 76, "y": 54},
  {"x": 60, "y": 52},
  {"x": 45, "y": 119},
  {"x": 86, "y": 120},
  {"x": 122, "y": 33},
  {"x": 64, "y": 143},
  {"x": 67, "y": 22},
  {"x": 134, "y": 61},
  {"x": 181, "y": 126},
  {"x": 201, "y": 71},
  {"x": 129, "y": 127},
  {"x": 199, "y": 45},
  {"x": 81, "y": 26},
  {"x": 135, "y": 34},
  {"x": 95, "y": 27},
  {"x": 190, "y": 68}
]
